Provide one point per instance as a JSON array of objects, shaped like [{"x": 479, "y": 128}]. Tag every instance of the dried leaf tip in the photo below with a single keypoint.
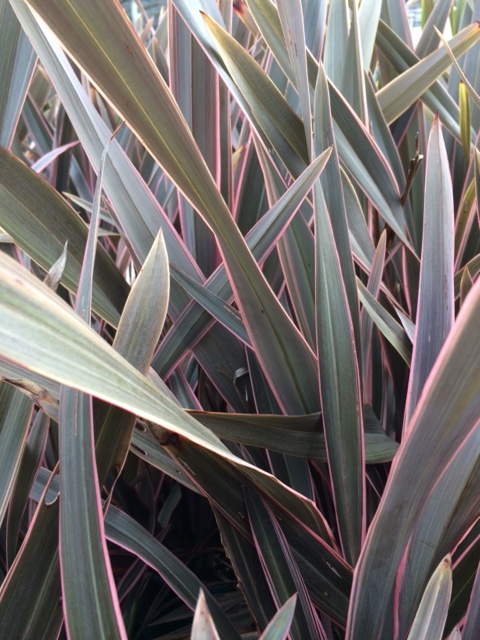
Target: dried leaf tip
[{"x": 239, "y": 6}]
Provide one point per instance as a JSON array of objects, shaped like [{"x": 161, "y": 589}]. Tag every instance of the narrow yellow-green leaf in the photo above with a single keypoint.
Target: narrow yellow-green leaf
[
  {"x": 464, "y": 220},
  {"x": 464, "y": 104},
  {"x": 466, "y": 284}
]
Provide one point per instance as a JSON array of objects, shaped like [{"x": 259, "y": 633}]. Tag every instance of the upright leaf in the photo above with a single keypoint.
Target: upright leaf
[
  {"x": 446, "y": 414},
  {"x": 435, "y": 306},
  {"x": 340, "y": 389},
  {"x": 279, "y": 625},
  {"x": 203, "y": 627},
  {"x": 16, "y": 68},
  {"x": 30, "y": 595},
  {"x": 15, "y": 415},
  {"x": 91, "y": 605}
]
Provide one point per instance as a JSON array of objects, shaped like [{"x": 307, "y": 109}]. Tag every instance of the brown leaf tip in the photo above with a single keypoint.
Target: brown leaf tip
[{"x": 239, "y": 7}]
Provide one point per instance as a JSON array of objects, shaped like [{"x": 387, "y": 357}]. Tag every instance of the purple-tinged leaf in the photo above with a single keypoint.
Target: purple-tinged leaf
[
  {"x": 435, "y": 306},
  {"x": 15, "y": 416},
  {"x": 138, "y": 213},
  {"x": 373, "y": 287},
  {"x": 29, "y": 465},
  {"x": 260, "y": 240},
  {"x": 291, "y": 17},
  {"x": 280, "y": 569},
  {"x": 16, "y": 68},
  {"x": 249, "y": 573},
  {"x": 340, "y": 388},
  {"x": 127, "y": 533},
  {"x": 465, "y": 567},
  {"x": 278, "y": 343},
  {"x": 49, "y": 157},
  {"x": 472, "y": 622},
  {"x": 449, "y": 512},
  {"x": 390, "y": 328},
  {"x": 437, "y": 19},
  {"x": 333, "y": 190},
  {"x": 42, "y": 232},
  {"x": 224, "y": 313},
  {"x": 356, "y": 148},
  {"x": 90, "y": 605},
  {"x": 353, "y": 81},
  {"x": 446, "y": 415},
  {"x": 293, "y": 435},
  {"x": 30, "y": 596}
]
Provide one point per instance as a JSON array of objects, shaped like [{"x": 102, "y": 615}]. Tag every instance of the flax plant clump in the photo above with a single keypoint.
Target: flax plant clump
[{"x": 239, "y": 337}]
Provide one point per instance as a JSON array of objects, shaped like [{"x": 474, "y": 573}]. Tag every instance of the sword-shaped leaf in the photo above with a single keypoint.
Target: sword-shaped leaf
[
  {"x": 445, "y": 416},
  {"x": 16, "y": 67},
  {"x": 118, "y": 64}
]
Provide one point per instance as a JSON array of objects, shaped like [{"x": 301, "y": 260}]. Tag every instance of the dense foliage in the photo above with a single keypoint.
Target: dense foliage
[{"x": 239, "y": 335}]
